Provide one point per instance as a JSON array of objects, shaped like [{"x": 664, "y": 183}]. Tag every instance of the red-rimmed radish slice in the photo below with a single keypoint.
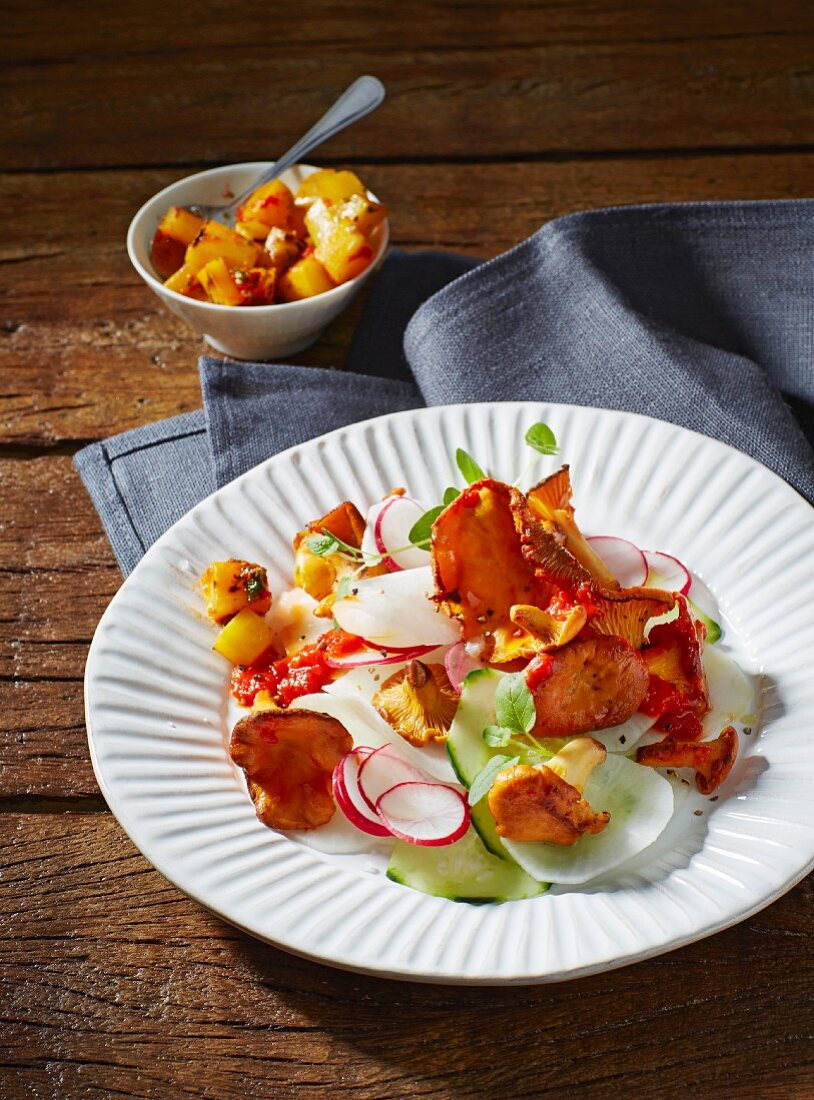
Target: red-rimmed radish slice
[
  {"x": 348, "y": 797},
  {"x": 396, "y": 611},
  {"x": 624, "y": 559},
  {"x": 383, "y": 769},
  {"x": 388, "y": 532},
  {"x": 429, "y": 814},
  {"x": 665, "y": 571},
  {"x": 365, "y": 657},
  {"x": 459, "y": 663}
]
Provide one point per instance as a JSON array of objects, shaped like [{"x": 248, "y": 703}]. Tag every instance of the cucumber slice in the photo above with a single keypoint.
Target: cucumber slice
[
  {"x": 714, "y": 630},
  {"x": 640, "y": 802},
  {"x": 463, "y": 871},
  {"x": 476, "y": 710},
  {"x": 484, "y": 825}
]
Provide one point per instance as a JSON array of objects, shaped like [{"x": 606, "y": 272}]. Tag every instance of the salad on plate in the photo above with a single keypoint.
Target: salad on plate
[{"x": 473, "y": 691}]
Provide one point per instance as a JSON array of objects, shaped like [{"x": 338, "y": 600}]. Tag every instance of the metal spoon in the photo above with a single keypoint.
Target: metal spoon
[{"x": 362, "y": 97}]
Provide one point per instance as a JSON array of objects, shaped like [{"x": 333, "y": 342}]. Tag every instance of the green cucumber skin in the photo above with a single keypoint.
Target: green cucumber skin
[
  {"x": 416, "y": 867},
  {"x": 465, "y": 748},
  {"x": 484, "y": 825}
]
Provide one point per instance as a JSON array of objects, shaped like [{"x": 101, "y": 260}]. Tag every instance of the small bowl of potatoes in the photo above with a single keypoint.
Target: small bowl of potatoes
[{"x": 301, "y": 248}]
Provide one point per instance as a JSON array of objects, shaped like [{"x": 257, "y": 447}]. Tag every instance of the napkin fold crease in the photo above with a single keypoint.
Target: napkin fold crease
[{"x": 700, "y": 314}]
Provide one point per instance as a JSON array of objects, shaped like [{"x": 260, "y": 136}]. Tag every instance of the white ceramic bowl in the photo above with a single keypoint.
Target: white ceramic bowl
[{"x": 251, "y": 332}]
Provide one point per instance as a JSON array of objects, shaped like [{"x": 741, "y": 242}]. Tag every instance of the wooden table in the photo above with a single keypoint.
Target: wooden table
[{"x": 500, "y": 115}]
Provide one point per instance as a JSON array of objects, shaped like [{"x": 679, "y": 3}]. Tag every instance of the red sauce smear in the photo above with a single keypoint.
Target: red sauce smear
[{"x": 286, "y": 678}]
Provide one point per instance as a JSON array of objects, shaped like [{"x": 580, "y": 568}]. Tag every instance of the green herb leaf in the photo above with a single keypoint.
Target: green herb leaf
[
  {"x": 483, "y": 781},
  {"x": 421, "y": 530},
  {"x": 514, "y": 703},
  {"x": 542, "y": 439},
  {"x": 322, "y": 545},
  {"x": 468, "y": 466},
  {"x": 451, "y": 494},
  {"x": 497, "y": 737},
  {"x": 255, "y": 585},
  {"x": 343, "y": 588}
]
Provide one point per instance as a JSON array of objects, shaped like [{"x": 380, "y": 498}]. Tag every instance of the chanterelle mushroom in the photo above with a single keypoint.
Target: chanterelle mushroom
[
  {"x": 545, "y": 802},
  {"x": 288, "y": 757},
  {"x": 418, "y": 702},
  {"x": 711, "y": 760}
]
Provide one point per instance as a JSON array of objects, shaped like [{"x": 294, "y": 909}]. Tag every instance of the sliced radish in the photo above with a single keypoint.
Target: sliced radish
[
  {"x": 366, "y": 657},
  {"x": 665, "y": 571},
  {"x": 396, "y": 611},
  {"x": 624, "y": 559},
  {"x": 348, "y": 796},
  {"x": 383, "y": 769},
  {"x": 429, "y": 814},
  {"x": 388, "y": 532},
  {"x": 459, "y": 663}
]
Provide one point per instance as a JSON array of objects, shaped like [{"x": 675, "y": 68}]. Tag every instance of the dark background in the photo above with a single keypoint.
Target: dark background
[{"x": 499, "y": 116}]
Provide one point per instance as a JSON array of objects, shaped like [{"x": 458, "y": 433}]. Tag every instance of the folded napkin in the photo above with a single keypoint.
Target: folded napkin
[{"x": 700, "y": 314}]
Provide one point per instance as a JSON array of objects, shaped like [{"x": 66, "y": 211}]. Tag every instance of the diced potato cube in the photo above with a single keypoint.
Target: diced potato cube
[
  {"x": 333, "y": 184},
  {"x": 216, "y": 241},
  {"x": 362, "y": 214},
  {"x": 180, "y": 224},
  {"x": 341, "y": 249},
  {"x": 256, "y": 286},
  {"x": 186, "y": 282},
  {"x": 267, "y": 207},
  {"x": 231, "y": 585},
  {"x": 166, "y": 254},
  {"x": 304, "y": 279},
  {"x": 252, "y": 231},
  {"x": 216, "y": 279},
  {"x": 282, "y": 249},
  {"x": 244, "y": 638},
  {"x": 296, "y": 219},
  {"x": 264, "y": 700}
]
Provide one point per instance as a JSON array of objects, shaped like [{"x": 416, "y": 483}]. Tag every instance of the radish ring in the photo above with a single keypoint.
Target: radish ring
[
  {"x": 385, "y": 768},
  {"x": 345, "y": 783},
  {"x": 624, "y": 559},
  {"x": 665, "y": 571},
  {"x": 428, "y": 814}
]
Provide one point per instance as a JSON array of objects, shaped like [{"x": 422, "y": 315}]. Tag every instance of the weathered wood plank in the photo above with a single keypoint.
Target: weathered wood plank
[
  {"x": 97, "y": 353},
  {"x": 530, "y": 78},
  {"x": 114, "y": 981}
]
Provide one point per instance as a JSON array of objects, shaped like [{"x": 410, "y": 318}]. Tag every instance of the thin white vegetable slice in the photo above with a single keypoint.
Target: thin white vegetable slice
[
  {"x": 622, "y": 738},
  {"x": 732, "y": 693},
  {"x": 428, "y": 814},
  {"x": 624, "y": 559},
  {"x": 367, "y": 727},
  {"x": 640, "y": 802},
  {"x": 388, "y": 529},
  {"x": 396, "y": 610}
]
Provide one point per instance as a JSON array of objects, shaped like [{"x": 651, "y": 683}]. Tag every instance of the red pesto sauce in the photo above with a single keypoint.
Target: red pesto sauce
[{"x": 286, "y": 678}]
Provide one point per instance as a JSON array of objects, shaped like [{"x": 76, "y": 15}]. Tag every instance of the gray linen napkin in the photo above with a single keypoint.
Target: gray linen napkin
[{"x": 700, "y": 314}]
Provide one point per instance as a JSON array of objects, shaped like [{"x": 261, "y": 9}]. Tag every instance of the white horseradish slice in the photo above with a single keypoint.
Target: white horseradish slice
[
  {"x": 732, "y": 694},
  {"x": 396, "y": 610},
  {"x": 640, "y": 802},
  {"x": 624, "y": 737},
  {"x": 367, "y": 727}
]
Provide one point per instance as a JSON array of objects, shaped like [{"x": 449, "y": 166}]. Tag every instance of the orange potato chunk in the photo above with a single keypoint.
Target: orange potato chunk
[
  {"x": 590, "y": 684},
  {"x": 362, "y": 213},
  {"x": 342, "y": 250},
  {"x": 267, "y": 207},
  {"x": 216, "y": 241},
  {"x": 239, "y": 286},
  {"x": 177, "y": 229},
  {"x": 288, "y": 757},
  {"x": 334, "y": 184},
  {"x": 282, "y": 248},
  {"x": 186, "y": 282},
  {"x": 304, "y": 279},
  {"x": 229, "y": 586}
]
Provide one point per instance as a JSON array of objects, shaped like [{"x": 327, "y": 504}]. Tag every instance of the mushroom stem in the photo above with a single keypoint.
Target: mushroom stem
[{"x": 576, "y": 760}]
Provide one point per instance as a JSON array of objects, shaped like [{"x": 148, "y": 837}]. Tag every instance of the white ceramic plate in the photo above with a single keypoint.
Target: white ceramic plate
[{"x": 156, "y": 699}]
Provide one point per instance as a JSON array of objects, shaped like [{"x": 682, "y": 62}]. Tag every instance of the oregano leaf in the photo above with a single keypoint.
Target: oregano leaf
[
  {"x": 542, "y": 439},
  {"x": 468, "y": 466},
  {"x": 514, "y": 703}
]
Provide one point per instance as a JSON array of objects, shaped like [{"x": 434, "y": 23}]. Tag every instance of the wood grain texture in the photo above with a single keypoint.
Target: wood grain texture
[
  {"x": 98, "y": 353},
  {"x": 115, "y": 982},
  {"x": 529, "y": 79}
]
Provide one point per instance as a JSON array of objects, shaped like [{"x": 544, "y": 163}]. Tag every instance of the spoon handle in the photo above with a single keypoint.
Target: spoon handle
[{"x": 362, "y": 97}]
